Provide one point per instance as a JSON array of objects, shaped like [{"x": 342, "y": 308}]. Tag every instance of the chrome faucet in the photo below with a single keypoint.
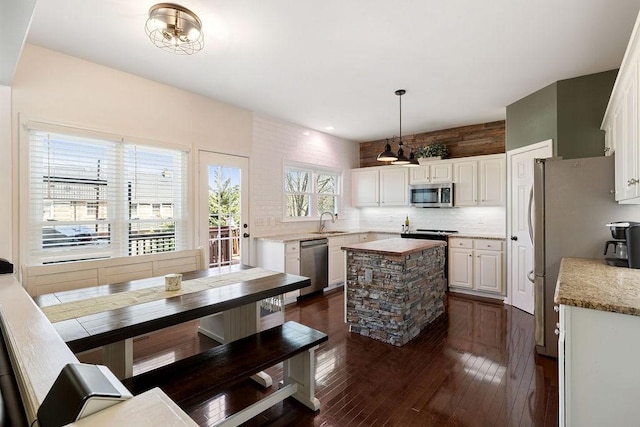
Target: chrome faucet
[{"x": 322, "y": 225}]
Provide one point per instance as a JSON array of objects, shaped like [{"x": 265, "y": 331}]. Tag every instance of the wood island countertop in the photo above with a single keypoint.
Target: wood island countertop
[
  {"x": 394, "y": 247},
  {"x": 591, "y": 283}
]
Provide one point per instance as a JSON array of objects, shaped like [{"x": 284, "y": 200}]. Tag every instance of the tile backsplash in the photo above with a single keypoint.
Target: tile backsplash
[{"x": 486, "y": 220}]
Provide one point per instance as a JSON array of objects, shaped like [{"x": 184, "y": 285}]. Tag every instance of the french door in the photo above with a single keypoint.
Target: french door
[{"x": 223, "y": 208}]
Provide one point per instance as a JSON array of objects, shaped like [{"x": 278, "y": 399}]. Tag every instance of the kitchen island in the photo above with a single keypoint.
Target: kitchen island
[{"x": 394, "y": 288}]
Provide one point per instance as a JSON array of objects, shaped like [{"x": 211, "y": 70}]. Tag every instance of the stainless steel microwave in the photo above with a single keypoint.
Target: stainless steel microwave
[{"x": 431, "y": 195}]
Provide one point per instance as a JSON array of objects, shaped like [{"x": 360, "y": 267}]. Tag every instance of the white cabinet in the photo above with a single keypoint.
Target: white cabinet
[
  {"x": 598, "y": 368},
  {"x": 465, "y": 183},
  {"x": 432, "y": 172},
  {"x": 621, "y": 124},
  {"x": 461, "y": 263},
  {"x": 480, "y": 181},
  {"x": 380, "y": 186},
  {"x": 394, "y": 186},
  {"x": 493, "y": 181},
  {"x": 280, "y": 256},
  {"x": 337, "y": 259},
  {"x": 476, "y": 266},
  {"x": 365, "y": 187}
]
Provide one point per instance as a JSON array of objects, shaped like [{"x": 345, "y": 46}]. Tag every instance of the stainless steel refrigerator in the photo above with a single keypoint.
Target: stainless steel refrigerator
[{"x": 573, "y": 200}]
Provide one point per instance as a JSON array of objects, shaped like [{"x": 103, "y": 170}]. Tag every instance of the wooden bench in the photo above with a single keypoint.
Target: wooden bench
[
  {"x": 194, "y": 379},
  {"x": 50, "y": 278},
  {"x": 11, "y": 409}
]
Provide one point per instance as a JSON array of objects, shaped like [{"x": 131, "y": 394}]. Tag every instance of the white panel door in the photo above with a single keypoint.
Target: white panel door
[{"x": 520, "y": 255}]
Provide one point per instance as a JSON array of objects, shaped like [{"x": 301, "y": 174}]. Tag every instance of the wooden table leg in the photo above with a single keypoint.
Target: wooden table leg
[{"x": 118, "y": 357}]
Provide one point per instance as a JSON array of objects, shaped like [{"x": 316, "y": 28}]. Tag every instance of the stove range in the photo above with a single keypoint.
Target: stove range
[
  {"x": 423, "y": 233},
  {"x": 443, "y": 235}
]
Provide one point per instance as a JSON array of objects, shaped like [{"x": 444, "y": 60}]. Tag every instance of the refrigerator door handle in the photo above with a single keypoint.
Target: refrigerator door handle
[
  {"x": 538, "y": 311},
  {"x": 529, "y": 215}
]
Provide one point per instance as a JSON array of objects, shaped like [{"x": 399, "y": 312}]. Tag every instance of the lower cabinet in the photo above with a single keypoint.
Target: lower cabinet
[
  {"x": 337, "y": 266},
  {"x": 280, "y": 256},
  {"x": 476, "y": 266},
  {"x": 598, "y": 368}
]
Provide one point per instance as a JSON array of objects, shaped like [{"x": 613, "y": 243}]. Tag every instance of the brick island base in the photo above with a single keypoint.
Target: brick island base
[{"x": 392, "y": 292}]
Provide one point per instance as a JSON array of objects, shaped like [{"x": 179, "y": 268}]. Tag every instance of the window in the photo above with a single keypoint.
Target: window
[
  {"x": 99, "y": 198},
  {"x": 309, "y": 192}
]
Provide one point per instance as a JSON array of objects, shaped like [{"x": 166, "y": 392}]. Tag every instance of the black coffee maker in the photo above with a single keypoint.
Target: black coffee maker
[{"x": 626, "y": 244}]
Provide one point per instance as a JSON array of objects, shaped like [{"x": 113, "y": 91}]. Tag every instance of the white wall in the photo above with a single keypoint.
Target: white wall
[
  {"x": 275, "y": 142},
  {"x": 5, "y": 173},
  {"x": 484, "y": 220},
  {"x": 58, "y": 88}
]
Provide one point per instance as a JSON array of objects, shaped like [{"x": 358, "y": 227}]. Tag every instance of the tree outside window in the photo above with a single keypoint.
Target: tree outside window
[{"x": 310, "y": 192}]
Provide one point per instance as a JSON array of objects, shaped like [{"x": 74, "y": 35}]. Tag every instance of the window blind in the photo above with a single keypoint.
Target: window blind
[{"x": 98, "y": 198}]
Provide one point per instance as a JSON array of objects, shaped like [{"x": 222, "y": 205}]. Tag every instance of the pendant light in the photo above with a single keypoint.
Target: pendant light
[
  {"x": 387, "y": 155},
  {"x": 402, "y": 159},
  {"x": 413, "y": 162}
]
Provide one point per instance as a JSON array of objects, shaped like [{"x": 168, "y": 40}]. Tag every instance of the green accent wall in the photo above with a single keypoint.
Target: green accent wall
[
  {"x": 569, "y": 111},
  {"x": 533, "y": 118}
]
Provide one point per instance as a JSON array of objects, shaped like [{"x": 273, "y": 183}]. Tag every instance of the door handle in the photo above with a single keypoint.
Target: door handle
[
  {"x": 530, "y": 276},
  {"x": 245, "y": 235},
  {"x": 529, "y": 215},
  {"x": 514, "y": 238}
]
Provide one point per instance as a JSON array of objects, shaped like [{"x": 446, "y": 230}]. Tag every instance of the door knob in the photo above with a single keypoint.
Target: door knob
[
  {"x": 245, "y": 235},
  {"x": 514, "y": 238}
]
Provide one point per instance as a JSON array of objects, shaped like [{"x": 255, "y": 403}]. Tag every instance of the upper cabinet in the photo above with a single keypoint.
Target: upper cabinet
[
  {"x": 480, "y": 181},
  {"x": 380, "y": 186},
  {"x": 432, "y": 172},
  {"x": 365, "y": 187},
  {"x": 621, "y": 124}
]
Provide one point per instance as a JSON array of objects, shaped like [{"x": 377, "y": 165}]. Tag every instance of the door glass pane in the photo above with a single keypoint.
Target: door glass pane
[{"x": 224, "y": 216}]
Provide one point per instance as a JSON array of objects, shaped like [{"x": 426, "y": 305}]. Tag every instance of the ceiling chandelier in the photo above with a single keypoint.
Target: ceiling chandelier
[
  {"x": 175, "y": 28},
  {"x": 400, "y": 159}
]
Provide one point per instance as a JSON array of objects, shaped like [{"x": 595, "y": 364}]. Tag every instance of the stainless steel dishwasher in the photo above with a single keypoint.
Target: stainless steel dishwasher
[{"x": 314, "y": 264}]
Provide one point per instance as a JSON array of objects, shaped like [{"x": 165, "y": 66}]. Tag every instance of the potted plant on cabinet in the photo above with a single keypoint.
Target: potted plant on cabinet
[{"x": 435, "y": 151}]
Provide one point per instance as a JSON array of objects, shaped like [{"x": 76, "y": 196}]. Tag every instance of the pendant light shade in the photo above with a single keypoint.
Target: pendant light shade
[
  {"x": 387, "y": 155},
  {"x": 413, "y": 162},
  {"x": 402, "y": 159}
]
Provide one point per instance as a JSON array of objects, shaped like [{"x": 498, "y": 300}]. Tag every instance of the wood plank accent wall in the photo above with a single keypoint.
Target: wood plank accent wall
[{"x": 465, "y": 141}]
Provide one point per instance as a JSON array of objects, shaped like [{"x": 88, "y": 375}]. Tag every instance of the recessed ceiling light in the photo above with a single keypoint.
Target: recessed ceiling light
[
  {"x": 306, "y": 133},
  {"x": 329, "y": 127}
]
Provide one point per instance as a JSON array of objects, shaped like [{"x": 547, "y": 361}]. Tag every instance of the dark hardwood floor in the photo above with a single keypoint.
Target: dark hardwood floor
[{"x": 475, "y": 366}]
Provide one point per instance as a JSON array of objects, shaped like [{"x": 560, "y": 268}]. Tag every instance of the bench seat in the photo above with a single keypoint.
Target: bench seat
[{"x": 194, "y": 379}]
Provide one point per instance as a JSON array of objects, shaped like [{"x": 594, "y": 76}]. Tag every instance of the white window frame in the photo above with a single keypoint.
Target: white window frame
[
  {"x": 315, "y": 170},
  {"x": 182, "y": 228}
]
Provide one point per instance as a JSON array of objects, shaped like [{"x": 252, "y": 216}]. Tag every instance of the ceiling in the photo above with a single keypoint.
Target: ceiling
[{"x": 338, "y": 63}]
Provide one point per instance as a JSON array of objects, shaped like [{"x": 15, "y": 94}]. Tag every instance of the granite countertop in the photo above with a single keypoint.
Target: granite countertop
[
  {"x": 283, "y": 238},
  {"x": 591, "y": 283},
  {"x": 394, "y": 247},
  {"x": 474, "y": 235}
]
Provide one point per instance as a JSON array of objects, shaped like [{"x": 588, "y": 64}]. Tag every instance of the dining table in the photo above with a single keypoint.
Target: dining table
[{"x": 110, "y": 316}]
